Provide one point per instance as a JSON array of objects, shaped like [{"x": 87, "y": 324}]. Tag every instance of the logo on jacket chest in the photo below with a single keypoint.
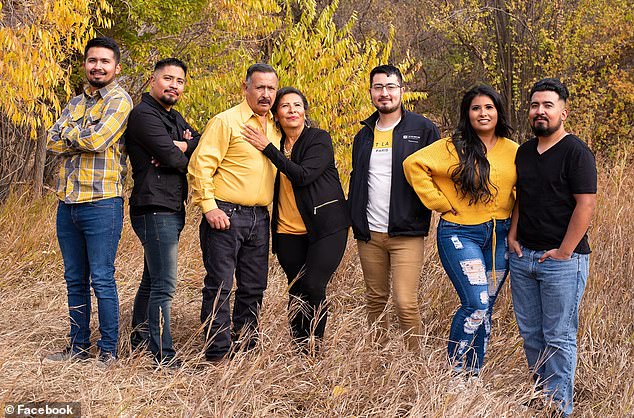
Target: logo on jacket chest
[{"x": 411, "y": 138}]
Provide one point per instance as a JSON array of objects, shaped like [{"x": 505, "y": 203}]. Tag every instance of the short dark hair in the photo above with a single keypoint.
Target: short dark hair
[
  {"x": 292, "y": 90},
  {"x": 166, "y": 62},
  {"x": 259, "y": 67},
  {"x": 551, "y": 84},
  {"x": 104, "y": 42},
  {"x": 388, "y": 70}
]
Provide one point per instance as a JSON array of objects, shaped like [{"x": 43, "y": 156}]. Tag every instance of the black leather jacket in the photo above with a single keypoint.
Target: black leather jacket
[{"x": 149, "y": 134}]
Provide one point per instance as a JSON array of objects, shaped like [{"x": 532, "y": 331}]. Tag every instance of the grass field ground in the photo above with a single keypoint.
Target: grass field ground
[{"x": 352, "y": 378}]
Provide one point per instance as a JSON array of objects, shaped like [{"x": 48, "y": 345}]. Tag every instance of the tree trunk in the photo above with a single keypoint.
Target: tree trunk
[
  {"x": 38, "y": 164},
  {"x": 505, "y": 57}
]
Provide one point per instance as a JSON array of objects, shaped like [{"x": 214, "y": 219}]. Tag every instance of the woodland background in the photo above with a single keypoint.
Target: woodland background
[{"x": 325, "y": 48}]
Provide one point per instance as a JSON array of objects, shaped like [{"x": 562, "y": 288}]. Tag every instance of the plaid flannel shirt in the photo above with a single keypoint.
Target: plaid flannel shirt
[{"x": 89, "y": 137}]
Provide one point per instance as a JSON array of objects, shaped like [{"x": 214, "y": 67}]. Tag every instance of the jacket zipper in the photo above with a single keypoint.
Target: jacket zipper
[{"x": 322, "y": 205}]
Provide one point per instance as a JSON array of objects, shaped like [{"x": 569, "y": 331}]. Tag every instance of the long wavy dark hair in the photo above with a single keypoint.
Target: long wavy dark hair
[{"x": 471, "y": 175}]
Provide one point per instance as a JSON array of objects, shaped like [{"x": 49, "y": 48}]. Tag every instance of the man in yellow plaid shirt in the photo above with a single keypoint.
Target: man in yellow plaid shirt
[{"x": 88, "y": 137}]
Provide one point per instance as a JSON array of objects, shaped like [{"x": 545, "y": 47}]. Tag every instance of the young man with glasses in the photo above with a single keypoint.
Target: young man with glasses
[{"x": 388, "y": 219}]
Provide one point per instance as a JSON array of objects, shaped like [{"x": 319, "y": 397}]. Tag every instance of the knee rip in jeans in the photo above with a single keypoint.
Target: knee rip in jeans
[
  {"x": 473, "y": 321},
  {"x": 474, "y": 270},
  {"x": 484, "y": 297}
]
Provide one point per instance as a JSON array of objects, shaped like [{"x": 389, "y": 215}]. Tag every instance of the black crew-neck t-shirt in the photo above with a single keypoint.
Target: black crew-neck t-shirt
[{"x": 546, "y": 184}]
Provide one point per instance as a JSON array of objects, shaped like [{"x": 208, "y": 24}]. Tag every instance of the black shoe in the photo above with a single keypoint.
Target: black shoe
[
  {"x": 217, "y": 360},
  {"x": 138, "y": 343},
  {"x": 170, "y": 363},
  {"x": 68, "y": 354},
  {"x": 105, "y": 360}
]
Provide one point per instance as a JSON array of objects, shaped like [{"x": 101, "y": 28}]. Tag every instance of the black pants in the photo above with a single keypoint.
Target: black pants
[
  {"x": 242, "y": 249},
  {"x": 308, "y": 268}
]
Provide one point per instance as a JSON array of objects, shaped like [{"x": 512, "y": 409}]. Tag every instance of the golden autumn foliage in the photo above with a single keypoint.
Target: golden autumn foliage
[
  {"x": 38, "y": 38},
  {"x": 331, "y": 68},
  {"x": 303, "y": 44},
  {"x": 327, "y": 48},
  {"x": 513, "y": 43}
]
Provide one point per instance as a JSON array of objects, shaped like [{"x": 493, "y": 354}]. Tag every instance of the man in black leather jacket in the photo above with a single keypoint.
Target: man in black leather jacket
[{"x": 159, "y": 143}]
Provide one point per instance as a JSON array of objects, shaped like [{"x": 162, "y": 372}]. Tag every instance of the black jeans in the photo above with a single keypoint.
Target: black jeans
[
  {"x": 309, "y": 268},
  {"x": 242, "y": 249}
]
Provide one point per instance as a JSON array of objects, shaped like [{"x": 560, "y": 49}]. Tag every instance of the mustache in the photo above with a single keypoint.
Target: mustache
[{"x": 264, "y": 101}]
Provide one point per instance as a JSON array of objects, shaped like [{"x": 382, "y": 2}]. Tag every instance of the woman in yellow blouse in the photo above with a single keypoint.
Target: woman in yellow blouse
[{"x": 470, "y": 178}]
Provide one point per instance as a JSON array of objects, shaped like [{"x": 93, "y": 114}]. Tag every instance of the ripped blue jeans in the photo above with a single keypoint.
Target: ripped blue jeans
[{"x": 466, "y": 253}]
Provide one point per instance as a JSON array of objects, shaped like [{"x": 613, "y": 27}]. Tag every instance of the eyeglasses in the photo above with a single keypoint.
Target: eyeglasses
[{"x": 391, "y": 87}]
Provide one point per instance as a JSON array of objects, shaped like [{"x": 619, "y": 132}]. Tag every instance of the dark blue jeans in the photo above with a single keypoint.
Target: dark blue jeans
[
  {"x": 88, "y": 236},
  {"x": 466, "y": 253},
  {"x": 242, "y": 249},
  {"x": 159, "y": 233}
]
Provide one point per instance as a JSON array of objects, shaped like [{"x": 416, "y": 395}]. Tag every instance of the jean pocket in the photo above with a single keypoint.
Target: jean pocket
[
  {"x": 573, "y": 257},
  {"x": 228, "y": 208},
  {"x": 101, "y": 204}
]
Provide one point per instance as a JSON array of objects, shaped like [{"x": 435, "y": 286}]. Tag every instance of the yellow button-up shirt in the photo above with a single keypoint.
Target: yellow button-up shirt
[
  {"x": 88, "y": 135},
  {"x": 226, "y": 167}
]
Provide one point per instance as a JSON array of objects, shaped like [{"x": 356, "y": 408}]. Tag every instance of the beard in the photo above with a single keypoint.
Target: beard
[
  {"x": 168, "y": 100},
  {"x": 543, "y": 130},
  {"x": 386, "y": 109},
  {"x": 99, "y": 83}
]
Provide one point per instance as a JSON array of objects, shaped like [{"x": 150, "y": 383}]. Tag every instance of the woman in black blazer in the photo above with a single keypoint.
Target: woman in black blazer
[{"x": 310, "y": 218}]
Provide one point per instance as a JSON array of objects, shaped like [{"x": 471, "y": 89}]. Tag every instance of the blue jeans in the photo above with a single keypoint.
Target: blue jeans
[
  {"x": 546, "y": 299},
  {"x": 466, "y": 253},
  {"x": 158, "y": 233},
  {"x": 242, "y": 249},
  {"x": 88, "y": 236}
]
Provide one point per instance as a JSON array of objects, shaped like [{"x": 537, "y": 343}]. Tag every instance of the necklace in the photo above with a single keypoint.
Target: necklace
[{"x": 287, "y": 152}]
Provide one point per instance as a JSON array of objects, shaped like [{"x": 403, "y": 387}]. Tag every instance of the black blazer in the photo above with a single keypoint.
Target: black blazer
[
  {"x": 316, "y": 185},
  {"x": 149, "y": 134}
]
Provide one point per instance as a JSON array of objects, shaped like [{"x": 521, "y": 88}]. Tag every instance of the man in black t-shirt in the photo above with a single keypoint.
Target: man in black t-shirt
[{"x": 548, "y": 244}]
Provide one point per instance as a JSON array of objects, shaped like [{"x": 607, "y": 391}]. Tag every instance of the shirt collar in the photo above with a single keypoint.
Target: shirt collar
[
  {"x": 246, "y": 113},
  {"x": 147, "y": 98},
  {"x": 103, "y": 92}
]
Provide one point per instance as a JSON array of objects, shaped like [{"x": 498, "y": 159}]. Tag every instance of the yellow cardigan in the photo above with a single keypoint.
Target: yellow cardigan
[{"x": 429, "y": 172}]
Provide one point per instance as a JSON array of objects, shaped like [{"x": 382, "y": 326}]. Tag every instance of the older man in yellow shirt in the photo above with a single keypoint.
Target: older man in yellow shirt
[{"x": 232, "y": 182}]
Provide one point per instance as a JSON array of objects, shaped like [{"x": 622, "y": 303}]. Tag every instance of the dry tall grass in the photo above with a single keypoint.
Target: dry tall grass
[{"x": 352, "y": 377}]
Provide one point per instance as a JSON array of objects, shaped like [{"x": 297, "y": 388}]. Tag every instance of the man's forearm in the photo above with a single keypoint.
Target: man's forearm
[{"x": 579, "y": 223}]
